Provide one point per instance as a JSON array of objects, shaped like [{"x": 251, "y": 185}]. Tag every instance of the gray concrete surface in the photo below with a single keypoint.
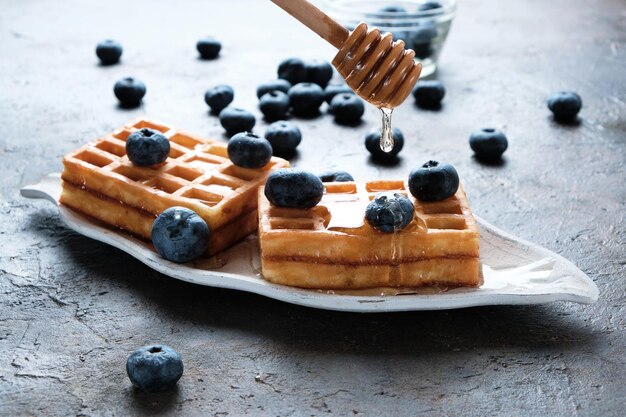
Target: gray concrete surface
[{"x": 71, "y": 309}]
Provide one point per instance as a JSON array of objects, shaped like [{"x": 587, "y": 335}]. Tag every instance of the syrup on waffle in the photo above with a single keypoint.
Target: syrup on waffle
[
  {"x": 331, "y": 246},
  {"x": 101, "y": 182}
]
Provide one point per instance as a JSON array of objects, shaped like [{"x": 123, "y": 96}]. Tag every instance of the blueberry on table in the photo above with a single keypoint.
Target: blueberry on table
[
  {"x": 488, "y": 144},
  {"x": 180, "y": 235},
  {"x": 389, "y": 212},
  {"x": 247, "y": 150},
  {"x": 294, "y": 188},
  {"x": 109, "y": 52},
  {"x": 565, "y": 105},
  {"x": 292, "y": 70},
  {"x": 306, "y": 98},
  {"x": 284, "y": 137},
  {"x": 433, "y": 181},
  {"x": 219, "y": 97},
  {"x": 209, "y": 47},
  {"x": 235, "y": 120},
  {"x": 318, "y": 72},
  {"x": 336, "y": 176},
  {"x": 372, "y": 144},
  {"x": 129, "y": 91},
  {"x": 347, "y": 109},
  {"x": 146, "y": 147},
  {"x": 266, "y": 87},
  {"x": 428, "y": 94},
  {"x": 274, "y": 105},
  {"x": 154, "y": 368},
  {"x": 334, "y": 89}
]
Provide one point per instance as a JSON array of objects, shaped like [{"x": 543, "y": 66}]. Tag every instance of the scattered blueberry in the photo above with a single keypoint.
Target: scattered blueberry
[
  {"x": 334, "y": 89},
  {"x": 294, "y": 188},
  {"x": 428, "y": 94},
  {"x": 219, "y": 97},
  {"x": 372, "y": 144},
  {"x": 146, "y": 147},
  {"x": 488, "y": 144},
  {"x": 336, "y": 176},
  {"x": 235, "y": 120},
  {"x": 347, "y": 108},
  {"x": 292, "y": 70},
  {"x": 284, "y": 137},
  {"x": 209, "y": 48},
  {"x": 421, "y": 40},
  {"x": 433, "y": 181},
  {"x": 180, "y": 235},
  {"x": 274, "y": 105},
  {"x": 318, "y": 72},
  {"x": 389, "y": 212},
  {"x": 306, "y": 98},
  {"x": 109, "y": 52},
  {"x": 154, "y": 368},
  {"x": 429, "y": 5},
  {"x": 565, "y": 105},
  {"x": 247, "y": 150},
  {"x": 129, "y": 92},
  {"x": 279, "y": 84}
]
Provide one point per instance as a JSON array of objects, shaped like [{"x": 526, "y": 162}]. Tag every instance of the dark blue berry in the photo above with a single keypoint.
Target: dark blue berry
[
  {"x": 347, "y": 108},
  {"x": 389, "y": 212},
  {"x": 393, "y": 9},
  {"x": 565, "y": 105},
  {"x": 209, "y": 48},
  {"x": 428, "y": 94},
  {"x": 235, "y": 120},
  {"x": 429, "y": 5},
  {"x": 146, "y": 147},
  {"x": 372, "y": 144},
  {"x": 109, "y": 52},
  {"x": 488, "y": 144},
  {"x": 306, "y": 98},
  {"x": 284, "y": 137},
  {"x": 421, "y": 40},
  {"x": 219, "y": 97},
  {"x": 336, "y": 176},
  {"x": 433, "y": 181},
  {"x": 334, "y": 89},
  {"x": 274, "y": 105},
  {"x": 154, "y": 368},
  {"x": 292, "y": 70},
  {"x": 180, "y": 235},
  {"x": 294, "y": 188},
  {"x": 279, "y": 84},
  {"x": 129, "y": 92},
  {"x": 318, "y": 72},
  {"x": 247, "y": 150}
]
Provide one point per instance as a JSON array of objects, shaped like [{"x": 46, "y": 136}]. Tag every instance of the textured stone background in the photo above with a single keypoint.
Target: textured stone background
[{"x": 72, "y": 309}]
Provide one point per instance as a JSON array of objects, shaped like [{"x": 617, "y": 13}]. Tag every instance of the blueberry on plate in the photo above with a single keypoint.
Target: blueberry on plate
[
  {"x": 372, "y": 144},
  {"x": 180, "y": 235},
  {"x": 389, "y": 212},
  {"x": 209, "y": 47},
  {"x": 292, "y": 70},
  {"x": 347, "y": 109},
  {"x": 235, "y": 120},
  {"x": 422, "y": 40},
  {"x": 279, "y": 84},
  {"x": 488, "y": 144},
  {"x": 219, "y": 97},
  {"x": 129, "y": 92},
  {"x": 334, "y": 89},
  {"x": 318, "y": 72},
  {"x": 284, "y": 137},
  {"x": 109, "y": 52},
  {"x": 294, "y": 188},
  {"x": 336, "y": 176},
  {"x": 146, "y": 147},
  {"x": 247, "y": 150},
  {"x": 154, "y": 368},
  {"x": 565, "y": 105},
  {"x": 428, "y": 94},
  {"x": 433, "y": 181},
  {"x": 429, "y": 5},
  {"x": 274, "y": 105},
  {"x": 306, "y": 98}
]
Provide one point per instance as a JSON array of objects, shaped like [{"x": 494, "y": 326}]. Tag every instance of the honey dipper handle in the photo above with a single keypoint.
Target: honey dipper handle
[{"x": 316, "y": 20}]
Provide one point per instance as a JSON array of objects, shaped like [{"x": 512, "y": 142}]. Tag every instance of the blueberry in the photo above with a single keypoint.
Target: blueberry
[
  {"x": 109, "y": 52},
  {"x": 393, "y": 9},
  {"x": 347, "y": 109},
  {"x": 336, "y": 176},
  {"x": 274, "y": 105},
  {"x": 180, "y": 235},
  {"x": 236, "y": 120},
  {"x": 421, "y": 40},
  {"x": 389, "y": 212},
  {"x": 247, "y": 150},
  {"x": 293, "y": 188},
  {"x": 318, "y": 72},
  {"x": 146, "y": 147},
  {"x": 284, "y": 137},
  {"x": 433, "y": 181},
  {"x": 292, "y": 70},
  {"x": 429, "y": 5},
  {"x": 209, "y": 48},
  {"x": 306, "y": 98},
  {"x": 428, "y": 94},
  {"x": 129, "y": 92},
  {"x": 219, "y": 97},
  {"x": 488, "y": 144},
  {"x": 279, "y": 84},
  {"x": 372, "y": 144},
  {"x": 565, "y": 105},
  {"x": 154, "y": 368},
  {"x": 332, "y": 90}
]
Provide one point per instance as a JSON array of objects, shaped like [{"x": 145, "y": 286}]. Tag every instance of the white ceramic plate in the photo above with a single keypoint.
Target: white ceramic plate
[{"x": 515, "y": 271}]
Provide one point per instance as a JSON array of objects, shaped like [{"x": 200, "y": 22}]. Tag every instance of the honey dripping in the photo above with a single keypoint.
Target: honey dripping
[{"x": 386, "y": 134}]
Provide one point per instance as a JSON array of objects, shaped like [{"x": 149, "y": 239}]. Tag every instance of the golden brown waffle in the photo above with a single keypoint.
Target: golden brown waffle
[
  {"x": 100, "y": 181},
  {"x": 331, "y": 247}
]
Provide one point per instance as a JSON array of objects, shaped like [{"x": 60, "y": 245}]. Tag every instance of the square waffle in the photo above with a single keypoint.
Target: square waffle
[
  {"x": 331, "y": 246},
  {"x": 100, "y": 181}
]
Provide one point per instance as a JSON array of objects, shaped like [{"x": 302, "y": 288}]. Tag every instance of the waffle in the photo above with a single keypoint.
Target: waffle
[
  {"x": 331, "y": 246},
  {"x": 101, "y": 182}
]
